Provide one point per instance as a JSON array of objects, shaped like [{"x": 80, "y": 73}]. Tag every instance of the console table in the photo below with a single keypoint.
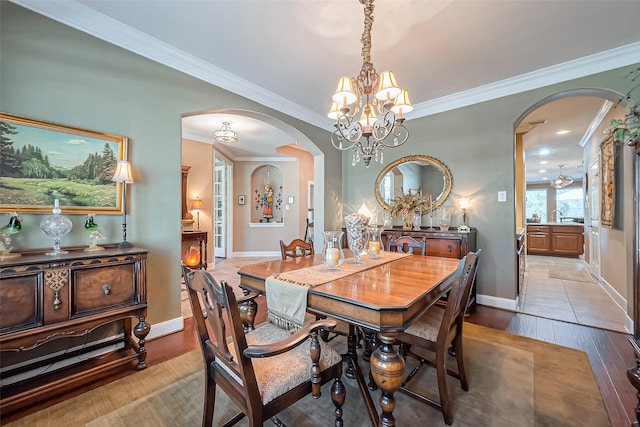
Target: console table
[
  {"x": 68, "y": 320},
  {"x": 200, "y": 239}
]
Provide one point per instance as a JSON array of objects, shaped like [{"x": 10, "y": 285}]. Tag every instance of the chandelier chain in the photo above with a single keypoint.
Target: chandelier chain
[{"x": 366, "y": 33}]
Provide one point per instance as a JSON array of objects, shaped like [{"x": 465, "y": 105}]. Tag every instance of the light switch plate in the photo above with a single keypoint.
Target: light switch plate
[{"x": 502, "y": 196}]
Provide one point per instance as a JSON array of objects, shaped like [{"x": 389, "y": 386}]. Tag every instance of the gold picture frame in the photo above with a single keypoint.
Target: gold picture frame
[
  {"x": 42, "y": 161},
  {"x": 607, "y": 183}
]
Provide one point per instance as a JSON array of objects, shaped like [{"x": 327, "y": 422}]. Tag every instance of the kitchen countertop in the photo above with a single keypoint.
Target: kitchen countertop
[{"x": 555, "y": 223}]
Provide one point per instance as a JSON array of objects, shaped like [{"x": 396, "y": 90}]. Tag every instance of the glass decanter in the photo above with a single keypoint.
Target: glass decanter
[
  {"x": 332, "y": 253},
  {"x": 375, "y": 241},
  {"x": 56, "y": 226}
]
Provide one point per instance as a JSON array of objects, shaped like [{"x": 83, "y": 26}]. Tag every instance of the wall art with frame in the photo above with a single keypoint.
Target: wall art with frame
[
  {"x": 42, "y": 161},
  {"x": 608, "y": 182}
]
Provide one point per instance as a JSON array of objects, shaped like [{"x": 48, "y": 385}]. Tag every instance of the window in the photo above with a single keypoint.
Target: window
[
  {"x": 570, "y": 201},
  {"x": 536, "y": 205},
  {"x": 385, "y": 187}
]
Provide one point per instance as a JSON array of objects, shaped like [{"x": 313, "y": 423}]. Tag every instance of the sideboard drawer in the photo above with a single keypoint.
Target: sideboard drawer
[
  {"x": 103, "y": 288},
  {"x": 445, "y": 248},
  {"x": 21, "y": 306}
]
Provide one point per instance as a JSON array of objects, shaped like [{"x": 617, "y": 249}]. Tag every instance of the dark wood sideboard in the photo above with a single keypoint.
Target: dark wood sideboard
[{"x": 69, "y": 320}]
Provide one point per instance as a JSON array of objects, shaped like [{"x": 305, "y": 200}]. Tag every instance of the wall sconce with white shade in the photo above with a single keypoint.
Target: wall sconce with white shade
[
  {"x": 197, "y": 205},
  {"x": 124, "y": 176},
  {"x": 464, "y": 204}
]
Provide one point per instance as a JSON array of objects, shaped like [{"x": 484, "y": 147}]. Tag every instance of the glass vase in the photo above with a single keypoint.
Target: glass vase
[
  {"x": 332, "y": 253},
  {"x": 375, "y": 241},
  {"x": 56, "y": 226},
  {"x": 444, "y": 219},
  {"x": 357, "y": 235}
]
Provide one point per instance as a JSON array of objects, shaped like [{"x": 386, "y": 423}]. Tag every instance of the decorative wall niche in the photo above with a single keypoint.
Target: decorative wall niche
[{"x": 266, "y": 182}]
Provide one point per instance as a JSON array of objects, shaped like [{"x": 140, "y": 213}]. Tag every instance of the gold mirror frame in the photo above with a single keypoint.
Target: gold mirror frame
[{"x": 444, "y": 170}]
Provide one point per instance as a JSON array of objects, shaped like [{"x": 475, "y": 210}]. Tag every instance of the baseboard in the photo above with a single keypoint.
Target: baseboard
[
  {"x": 618, "y": 299},
  {"x": 166, "y": 328},
  {"x": 256, "y": 254},
  {"x": 503, "y": 303},
  {"x": 615, "y": 296}
]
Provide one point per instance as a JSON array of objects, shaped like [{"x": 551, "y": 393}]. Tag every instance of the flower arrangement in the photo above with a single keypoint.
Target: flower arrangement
[{"x": 408, "y": 205}]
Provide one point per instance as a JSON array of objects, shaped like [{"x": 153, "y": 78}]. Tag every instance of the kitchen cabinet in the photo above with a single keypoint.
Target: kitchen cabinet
[
  {"x": 69, "y": 320},
  {"x": 555, "y": 239}
]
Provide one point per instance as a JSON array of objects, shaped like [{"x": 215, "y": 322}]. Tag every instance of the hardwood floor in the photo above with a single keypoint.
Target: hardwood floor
[{"x": 609, "y": 352}]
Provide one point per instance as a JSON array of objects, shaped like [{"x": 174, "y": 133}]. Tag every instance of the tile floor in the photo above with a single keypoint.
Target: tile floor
[{"x": 584, "y": 303}]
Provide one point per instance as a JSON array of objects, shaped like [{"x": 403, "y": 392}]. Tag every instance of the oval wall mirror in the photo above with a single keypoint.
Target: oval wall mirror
[{"x": 414, "y": 174}]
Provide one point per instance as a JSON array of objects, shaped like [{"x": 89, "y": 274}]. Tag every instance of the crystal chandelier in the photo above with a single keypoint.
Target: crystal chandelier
[
  {"x": 562, "y": 180},
  {"x": 379, "y": 100},
  {"x": 225, "y": 134}
]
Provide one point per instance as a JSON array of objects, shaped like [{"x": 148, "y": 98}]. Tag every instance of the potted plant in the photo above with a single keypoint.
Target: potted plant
[
  {"x": 627, "y": 130},
  {"x": 408, "y": 205}
]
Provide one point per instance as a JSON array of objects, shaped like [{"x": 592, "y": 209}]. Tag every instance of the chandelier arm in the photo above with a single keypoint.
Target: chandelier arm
[{"x": 400, "y": 136}]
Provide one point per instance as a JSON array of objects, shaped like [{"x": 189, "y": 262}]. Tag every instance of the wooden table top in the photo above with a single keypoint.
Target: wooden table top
[{"x": 383, "y": 298}]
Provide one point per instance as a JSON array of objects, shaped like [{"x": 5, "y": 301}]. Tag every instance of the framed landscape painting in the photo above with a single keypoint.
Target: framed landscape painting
[{"x": 41, "y": 162}]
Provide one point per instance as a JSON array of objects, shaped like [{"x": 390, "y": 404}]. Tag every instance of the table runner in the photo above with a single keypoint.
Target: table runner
[{"x": 287, "y": 292}]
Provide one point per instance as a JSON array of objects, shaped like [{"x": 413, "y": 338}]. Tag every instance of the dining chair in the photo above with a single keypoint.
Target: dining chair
[
  {"x": 296, "y": 248},
  {"x": 265, "y": 370},
  {"x": 436, "y": 330},
  {"x": 406, "y": 244}
]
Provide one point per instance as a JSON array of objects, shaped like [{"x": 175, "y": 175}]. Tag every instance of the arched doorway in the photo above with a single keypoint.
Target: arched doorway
[
  {"x": 261, "y": 138},
  {"x": 531, "y": 128}
]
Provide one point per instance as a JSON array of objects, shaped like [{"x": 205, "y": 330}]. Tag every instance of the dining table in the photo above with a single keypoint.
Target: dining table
[{"x": 383, "y": 298}]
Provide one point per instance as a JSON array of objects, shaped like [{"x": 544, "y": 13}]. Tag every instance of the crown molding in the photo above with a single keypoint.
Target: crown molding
[
  {"x": 599, "y": 117},
  {"x": 592, "y": 64},
  {"x": 83, "y": 18},
  {"x": 87, "y": 20}
]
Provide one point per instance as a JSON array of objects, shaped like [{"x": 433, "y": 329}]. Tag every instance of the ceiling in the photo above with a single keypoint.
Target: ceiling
[{"x": 289, "y": 54}]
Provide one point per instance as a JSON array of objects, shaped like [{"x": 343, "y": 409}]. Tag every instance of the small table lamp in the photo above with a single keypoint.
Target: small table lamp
[
  {"x": 464, "y": 205},
  {"x": 123, "y": 175},
  {"x": 197, "y": 205}
]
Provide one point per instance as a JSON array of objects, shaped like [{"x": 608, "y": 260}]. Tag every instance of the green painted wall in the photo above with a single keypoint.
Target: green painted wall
[{"x": 54, "y": 73}]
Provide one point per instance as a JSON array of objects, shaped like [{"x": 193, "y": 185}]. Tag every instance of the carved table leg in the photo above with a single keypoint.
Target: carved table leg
[
  {"x": 633, "y": 375},
  {"x": 387, "y": 369},
  {"x": 352, "y": 354},
  {"x": 141, "y": 331},
  {"x": 248, "y": 310},
  {"x": 370, "y": 343}
]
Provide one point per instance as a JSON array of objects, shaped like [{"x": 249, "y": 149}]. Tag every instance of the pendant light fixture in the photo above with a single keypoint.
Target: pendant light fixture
[
  {"x": 225, "y": 134},
  {"x": 562, "y": 180}
]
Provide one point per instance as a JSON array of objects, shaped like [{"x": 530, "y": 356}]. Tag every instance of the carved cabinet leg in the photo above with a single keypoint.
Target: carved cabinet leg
[{"x": 141, "y": 331}]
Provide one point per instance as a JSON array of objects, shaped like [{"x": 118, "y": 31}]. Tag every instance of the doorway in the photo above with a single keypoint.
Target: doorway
[
  {"x": 222, "y": 184},
  {"x": 593, "y": 178},
  {"x": 591, "y": 301}
]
